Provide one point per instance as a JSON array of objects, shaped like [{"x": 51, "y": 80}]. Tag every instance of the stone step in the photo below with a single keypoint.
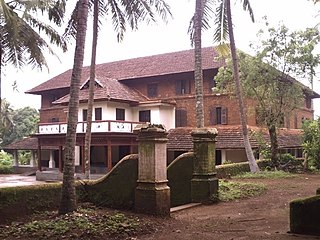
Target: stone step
[{"x": 185, "y": 206}]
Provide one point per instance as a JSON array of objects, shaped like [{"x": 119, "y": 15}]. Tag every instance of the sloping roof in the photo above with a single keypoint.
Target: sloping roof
[
  {"x": 28, "y": 143},
  {"x": 162, "y": 64},
  {"x": 109, "y": 89},
  {"x": 230, "y": 137}
]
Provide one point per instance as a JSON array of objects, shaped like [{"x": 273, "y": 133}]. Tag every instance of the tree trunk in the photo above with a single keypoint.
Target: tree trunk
[
  {"x": 273, "y": 145},
  {"x": 243, "y": 118},
  {"x": 87, "y": 142},
  {"x": 68, "y": 201},
  {"x": 198, "y": 64}
]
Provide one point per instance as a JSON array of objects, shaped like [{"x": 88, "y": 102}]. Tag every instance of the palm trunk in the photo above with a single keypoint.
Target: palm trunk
[
  {"x": 87, "y": 141},
  {"x": 198, "y": 64},
  {"x": 68, "y": 201},
  {"x": 243, "y": 118},
  {"x": 274, "y": 145}
]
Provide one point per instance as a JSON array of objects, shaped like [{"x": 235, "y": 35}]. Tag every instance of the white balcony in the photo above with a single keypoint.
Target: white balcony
[{"x": 97, "y": 126}]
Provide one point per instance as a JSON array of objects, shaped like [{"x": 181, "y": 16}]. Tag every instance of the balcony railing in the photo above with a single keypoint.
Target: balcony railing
[{"x": 97, "y": 126}]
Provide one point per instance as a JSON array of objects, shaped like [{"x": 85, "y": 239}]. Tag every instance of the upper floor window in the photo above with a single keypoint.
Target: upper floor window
[
  {"x": 152, "y": 90},
  {"x": 84, "y": 115},
  {"x": 120, "y": 114},
  {"x": 98, "y": 113},
  {"x": 308, "y": 103},
  {"x": 181, "y": 117},
  {"x": 218, "y": 115},
  {"x": 183, "y": 86},
  {"x": 55, "y": 119},
  {"x": 144, "y": 116}
]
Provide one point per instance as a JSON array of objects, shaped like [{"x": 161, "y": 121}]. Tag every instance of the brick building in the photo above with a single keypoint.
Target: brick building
[{"x": 156, "y": 89}]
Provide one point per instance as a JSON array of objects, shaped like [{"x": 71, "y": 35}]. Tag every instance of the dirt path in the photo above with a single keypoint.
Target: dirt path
[{"x": 263, "y": 217}]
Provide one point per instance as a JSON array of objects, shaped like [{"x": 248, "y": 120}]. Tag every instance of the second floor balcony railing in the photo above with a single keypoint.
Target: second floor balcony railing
[{"x": 97, "y": 126}]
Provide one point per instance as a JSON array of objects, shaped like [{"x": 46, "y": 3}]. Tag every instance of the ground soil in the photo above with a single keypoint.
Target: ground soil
[{"x": 261, "y": 217}]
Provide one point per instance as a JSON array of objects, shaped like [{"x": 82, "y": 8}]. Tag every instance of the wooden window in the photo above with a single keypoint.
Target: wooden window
[
  {"x": 144, "y": 116},
  {"x": 181, "y": 117},
  {"x": 152, "y": 90},
  {"x": 183, "y": 87},
  {"x": 308, "y": 103},
  {"x": 84, "y": 115},
  {"x": 218, "y": 115},
  {"x": 98, "y": 114},
  {"x": 120, "y": 114},
  {"x": 295, "y": 121},
  {"x": 55, "y": 119}
]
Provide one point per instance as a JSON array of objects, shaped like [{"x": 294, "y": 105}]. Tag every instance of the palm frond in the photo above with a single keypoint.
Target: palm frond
[
  {"x": 247, "y": 7},
  {"x": 208, "y": 14},
  {"x": 221, "y": 33}
]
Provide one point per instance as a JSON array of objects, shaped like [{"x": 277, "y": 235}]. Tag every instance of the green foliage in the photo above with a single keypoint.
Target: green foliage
[
  {"x": 5, "y": 163},
  {"x": 17, "y": 124},
  {"x": 229, "y": 191},
  {"x": 266, "y": 175},
  {"x": 311, "y": 142},
  {"x": 85, "y": 223},
  {"x": 24, "y": 157}
]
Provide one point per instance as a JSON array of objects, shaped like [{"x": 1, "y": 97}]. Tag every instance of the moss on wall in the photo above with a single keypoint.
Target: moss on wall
[
  {"x": 179, "y": 176},
  {"x": 116, "y": 189},
  {"x": 233, "y": 169},
  {"x": 28, "y": 199},
  {"x": 305, "y": 215}
]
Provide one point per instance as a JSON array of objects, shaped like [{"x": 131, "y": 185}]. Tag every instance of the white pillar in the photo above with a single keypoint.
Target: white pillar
[
  {"x": 77, "y": 156},
  {"x": 223, "y": 156},
  {"x": 51, "y": 160},
  {"x": 15, "y": 158},
  {"x": 33, "y": 159}
]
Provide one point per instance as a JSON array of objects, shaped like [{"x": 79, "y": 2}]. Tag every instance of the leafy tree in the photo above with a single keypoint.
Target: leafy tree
[
  {"x": 266, "y": 77},
  {"x": 311, "y": 142},
  {"x": 17, "y": 124},
  {"x": 20, "y": 40},
  {"x": 6, "y": 122}
]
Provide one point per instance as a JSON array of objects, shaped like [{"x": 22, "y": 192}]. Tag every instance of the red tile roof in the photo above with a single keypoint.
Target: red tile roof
[
  {"x": 230, "y": 137},
  {"x": 28, "y": 143},
  {"x": 111, "y": 89},
  {"x": 168, "y": 63}
]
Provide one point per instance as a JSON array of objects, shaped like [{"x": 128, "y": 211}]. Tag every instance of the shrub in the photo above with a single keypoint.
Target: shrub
[{"x": 233, "y": 169}]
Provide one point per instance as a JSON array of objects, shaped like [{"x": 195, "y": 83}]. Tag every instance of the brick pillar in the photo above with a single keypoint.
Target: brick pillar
[
  {"x": 204, "y": 182},
  {"x": 152, "y": 195}
]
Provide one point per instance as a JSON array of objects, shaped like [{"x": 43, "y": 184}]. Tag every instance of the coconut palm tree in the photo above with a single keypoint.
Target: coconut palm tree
[
  {"x": 20, "y": 40},
  {"x": 122, "y": 13},
  {"x": 224, "y": 29},
  {"x": 68, "y": 201},
  {"x": 135, "y": 15},
  {"x": 225, "y": 16}
]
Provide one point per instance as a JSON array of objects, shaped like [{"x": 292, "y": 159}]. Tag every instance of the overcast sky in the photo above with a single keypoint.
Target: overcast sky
[{"x": 163, "y": 38}]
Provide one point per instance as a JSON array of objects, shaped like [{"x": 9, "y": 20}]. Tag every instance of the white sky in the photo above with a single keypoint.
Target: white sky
[{"x": 162, "y": 38}]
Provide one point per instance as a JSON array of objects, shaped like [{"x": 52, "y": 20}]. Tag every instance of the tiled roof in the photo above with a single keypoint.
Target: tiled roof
[
  {"x": 28, "y": 143},
  {"x": 111, "y": 89},
  {"x": 168, "y": 63},
  {"x": 230, "y": 137}
]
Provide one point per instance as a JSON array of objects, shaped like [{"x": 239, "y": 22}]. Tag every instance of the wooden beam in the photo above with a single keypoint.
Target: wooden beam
[
  {"x": 60, "y": 159},
  {"x": 39, "y": 156},
  {"x": 109, "y": 159}
]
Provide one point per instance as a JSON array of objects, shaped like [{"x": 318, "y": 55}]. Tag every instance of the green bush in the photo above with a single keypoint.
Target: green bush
[
  {"x": 233, "y": 169},
  {"x": 5, "y": 163}
]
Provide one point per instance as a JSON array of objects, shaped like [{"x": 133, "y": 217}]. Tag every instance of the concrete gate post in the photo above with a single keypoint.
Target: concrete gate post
[
  {"x": 152, "y": 195},
  {"x": 204, "y": 183}
]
